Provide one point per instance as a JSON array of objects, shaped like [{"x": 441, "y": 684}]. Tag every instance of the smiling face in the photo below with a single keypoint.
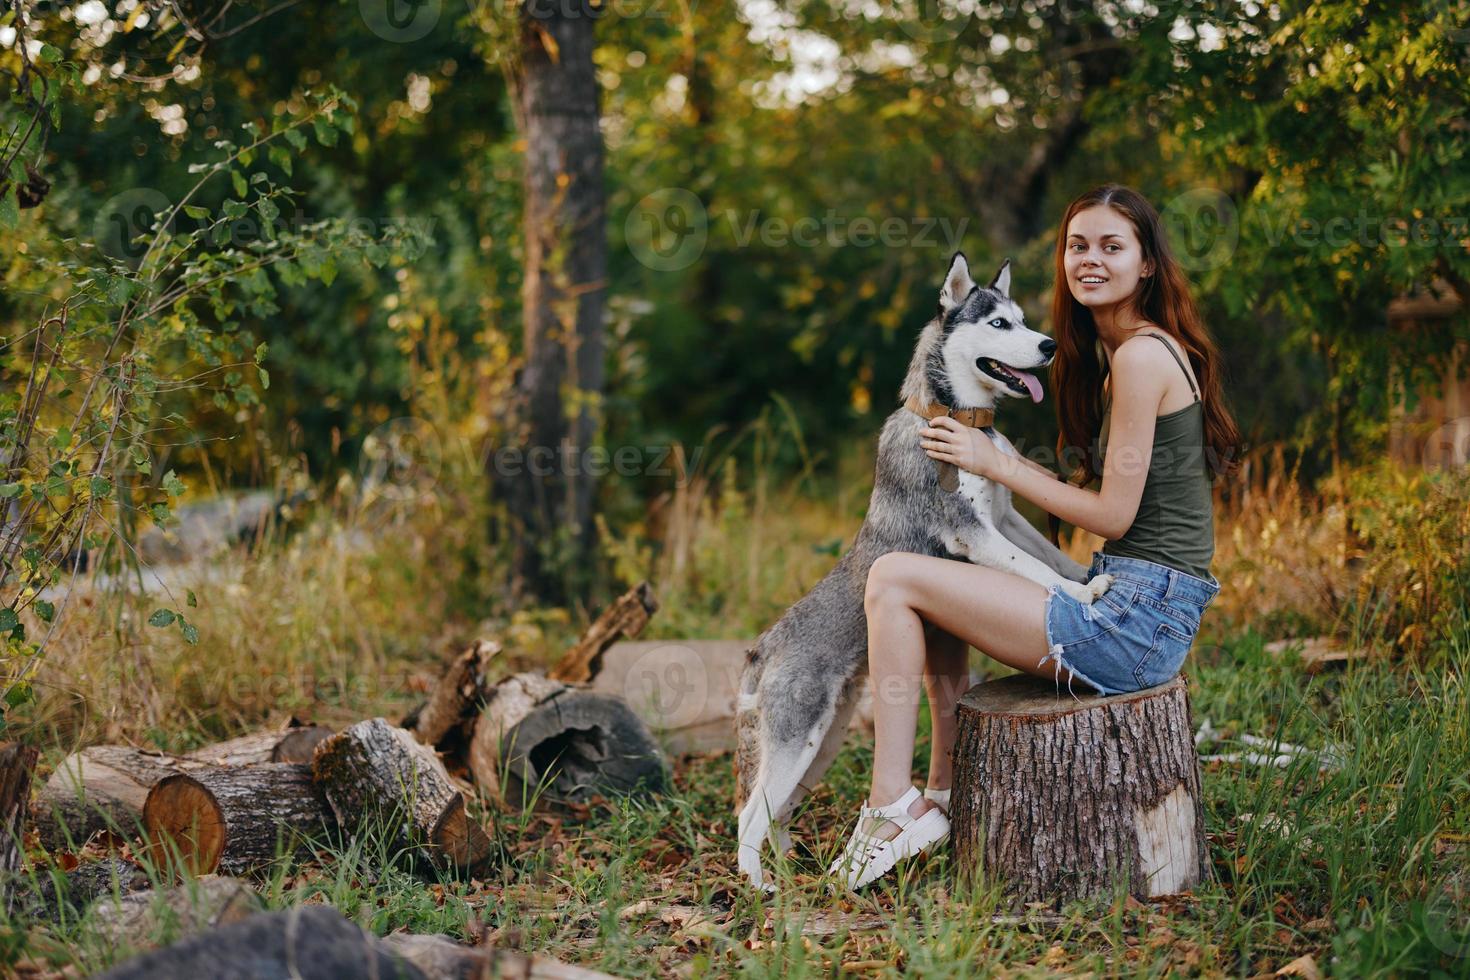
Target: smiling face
[{"x": 1104, "y": 261}]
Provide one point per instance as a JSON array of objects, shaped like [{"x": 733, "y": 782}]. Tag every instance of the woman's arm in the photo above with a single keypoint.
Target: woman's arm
[
  {"x": 1075, "y": 505},
  {"x": 1138, "y": 388}
]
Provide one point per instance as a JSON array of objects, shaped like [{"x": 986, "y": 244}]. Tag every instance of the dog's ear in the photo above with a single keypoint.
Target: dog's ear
[
  {"x": 1002, "y": 281},
  {"x": 957, "y": 283}
]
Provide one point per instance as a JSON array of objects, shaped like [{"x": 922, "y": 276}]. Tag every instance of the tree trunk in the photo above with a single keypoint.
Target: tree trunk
[
  {"x": 538, "y": 735},
  {"x": 234, "y": 818},
  {"x": 548, "y": 494},
  {"x": 102, "y": 787},
  {"x": 17, "y": 762},
  {"x": 1065, "y": 799},
  {"x": 378, "y": 778},
  {"x": 296, "y": 743}
]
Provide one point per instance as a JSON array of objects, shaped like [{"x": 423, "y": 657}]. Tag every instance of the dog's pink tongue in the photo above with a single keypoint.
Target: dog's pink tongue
[{"x": 1032, "y": 385}]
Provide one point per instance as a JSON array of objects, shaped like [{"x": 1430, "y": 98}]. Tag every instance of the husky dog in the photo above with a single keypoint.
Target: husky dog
[{"x": 800, "y": 681}]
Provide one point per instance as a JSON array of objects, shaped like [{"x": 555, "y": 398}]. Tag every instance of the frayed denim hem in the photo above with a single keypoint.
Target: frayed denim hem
[{"x": 1055, "y": 653}]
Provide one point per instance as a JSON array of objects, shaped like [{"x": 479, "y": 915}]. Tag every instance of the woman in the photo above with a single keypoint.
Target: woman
[{"x": 1118, "y": 289}]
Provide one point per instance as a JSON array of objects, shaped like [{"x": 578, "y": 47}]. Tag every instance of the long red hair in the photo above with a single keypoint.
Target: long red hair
[{"x": 1162, "y": 298}]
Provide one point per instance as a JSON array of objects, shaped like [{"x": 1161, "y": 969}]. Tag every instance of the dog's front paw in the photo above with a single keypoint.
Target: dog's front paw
[
  {"x": 1085, "y": 594},
  {"x": 1098, "y": 585}
]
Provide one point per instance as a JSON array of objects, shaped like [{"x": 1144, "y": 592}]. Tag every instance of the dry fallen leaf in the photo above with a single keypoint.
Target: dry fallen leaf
[{"x": 1302, "y": 966}]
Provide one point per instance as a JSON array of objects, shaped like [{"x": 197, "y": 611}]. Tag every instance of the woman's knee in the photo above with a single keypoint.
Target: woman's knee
[{"x": 890, "y": 579}]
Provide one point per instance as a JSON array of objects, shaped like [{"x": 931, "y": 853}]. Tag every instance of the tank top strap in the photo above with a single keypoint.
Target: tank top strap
[{"x": 1174, "y": 355}]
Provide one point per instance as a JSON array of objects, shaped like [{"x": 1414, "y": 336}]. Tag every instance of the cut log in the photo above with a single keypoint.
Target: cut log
[
  {"x": 378, "y": 778},
  {"x": 17, "y": 762},
  {"x": 102, "y": 787},
  {"x": 169, "y": 913},
  {"x": 295, "y": 743},
  {"x": 55, "y": 895},
  {"x": 309, "y": 942},
  {"x": 625, "y": 617},
  {"x": 457, "y": 698},
  {"x": 441, "y": 958},
  {"x": 1065, "y": 799},
  {"x": 234, "y": 818},
  {"x": 540, "y": 736}
]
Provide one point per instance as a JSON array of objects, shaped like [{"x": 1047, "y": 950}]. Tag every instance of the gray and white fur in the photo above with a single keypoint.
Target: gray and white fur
[{"x": 800, "y": 681}]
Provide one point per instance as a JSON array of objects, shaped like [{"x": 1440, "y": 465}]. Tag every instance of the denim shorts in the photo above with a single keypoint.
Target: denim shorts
[{"x": 1135, "y": 635}]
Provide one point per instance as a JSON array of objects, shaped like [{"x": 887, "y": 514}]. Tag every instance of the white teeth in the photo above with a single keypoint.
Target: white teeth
[{"x": 1098, "y": 279}]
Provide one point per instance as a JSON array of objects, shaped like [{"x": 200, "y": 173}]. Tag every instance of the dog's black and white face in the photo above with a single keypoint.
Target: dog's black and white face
[{"x": 987, "y": 350}]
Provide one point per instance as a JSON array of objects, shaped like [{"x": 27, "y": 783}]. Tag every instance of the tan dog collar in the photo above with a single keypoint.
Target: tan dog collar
[{"x": 975, "y": 418}]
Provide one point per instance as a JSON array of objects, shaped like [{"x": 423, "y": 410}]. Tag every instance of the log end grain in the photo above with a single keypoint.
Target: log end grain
[{"x": 185, "y": 825}]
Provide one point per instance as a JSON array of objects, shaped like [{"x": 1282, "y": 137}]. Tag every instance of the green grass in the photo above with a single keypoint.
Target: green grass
[
  {"x": 1365, "y": 866},
  {"x": 1355, "y": 868}
]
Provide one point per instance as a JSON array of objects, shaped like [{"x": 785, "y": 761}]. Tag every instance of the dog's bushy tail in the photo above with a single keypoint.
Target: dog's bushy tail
[{"x": 747, "y": 726}]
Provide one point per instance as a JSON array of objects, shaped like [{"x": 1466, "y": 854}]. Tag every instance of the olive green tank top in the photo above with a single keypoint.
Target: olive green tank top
[{"x": 1175, "y": 524}]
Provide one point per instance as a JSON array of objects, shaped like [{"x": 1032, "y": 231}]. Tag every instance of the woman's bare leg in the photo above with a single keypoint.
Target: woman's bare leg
[
  {"x": 996, "y": 612},
  {"x": 946, "y": 677}
]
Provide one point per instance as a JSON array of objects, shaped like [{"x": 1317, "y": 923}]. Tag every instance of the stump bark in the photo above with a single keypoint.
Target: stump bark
[
  {"x": 234, "y": 818},
  {"x": 102, "y": 787},
  {"x": 568, "y": 743},
  {"x": 379, "y": 778},
  {"x": 1063, "y": 799}
]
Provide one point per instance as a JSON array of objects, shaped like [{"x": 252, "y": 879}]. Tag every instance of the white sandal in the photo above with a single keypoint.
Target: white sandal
[
  {"x": 940, "y": 796},
  {"x": 867, "y": 858}
]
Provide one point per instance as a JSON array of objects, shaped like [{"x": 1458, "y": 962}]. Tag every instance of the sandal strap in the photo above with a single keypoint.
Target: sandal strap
[{"x": 897, "y": 811}]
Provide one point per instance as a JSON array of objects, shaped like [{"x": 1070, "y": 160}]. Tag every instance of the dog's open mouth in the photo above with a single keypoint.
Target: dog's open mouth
[{"x": 1018, "y": 381}]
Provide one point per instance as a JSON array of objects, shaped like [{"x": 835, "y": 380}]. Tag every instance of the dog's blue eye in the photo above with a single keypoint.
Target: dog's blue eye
[{"x": 999, "y": 324}]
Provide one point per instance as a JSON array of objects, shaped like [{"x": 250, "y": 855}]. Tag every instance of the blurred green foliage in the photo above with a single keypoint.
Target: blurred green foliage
[{"x": 812, "y": 165}]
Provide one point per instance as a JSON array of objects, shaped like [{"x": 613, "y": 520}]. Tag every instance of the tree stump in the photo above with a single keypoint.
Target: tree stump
[
  {"x": 1063, "y": 799},
  {"x": 537, "y": 734},
  {"x": 379, "y": 778},
  {"x": 234, "y": 818}
]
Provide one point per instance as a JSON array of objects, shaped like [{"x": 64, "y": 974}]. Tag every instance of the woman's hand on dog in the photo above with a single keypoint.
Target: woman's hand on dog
[{"x": 970, "y": 449}]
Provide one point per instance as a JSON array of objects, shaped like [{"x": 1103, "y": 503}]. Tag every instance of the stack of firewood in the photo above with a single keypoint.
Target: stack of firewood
[{"x": 233, "y": 807}]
